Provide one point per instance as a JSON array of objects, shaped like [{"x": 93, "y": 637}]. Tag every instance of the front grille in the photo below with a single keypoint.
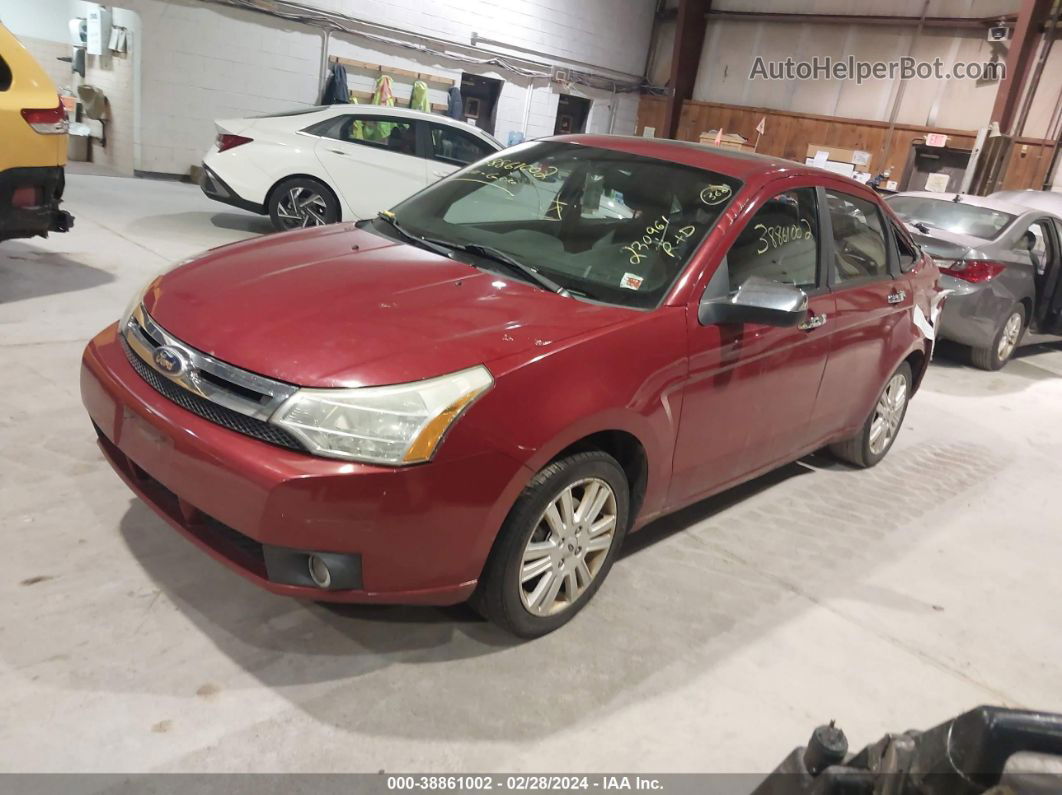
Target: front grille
[{"x": 219, "y": 415}]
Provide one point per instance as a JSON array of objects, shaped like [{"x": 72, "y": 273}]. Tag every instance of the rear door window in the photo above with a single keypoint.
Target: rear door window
[
  {"x": 5, "y": 75},
  {"x": 451, "y": 145},
  {"x": 860, "y": 248},
  {"x": 392, "y": 133}
]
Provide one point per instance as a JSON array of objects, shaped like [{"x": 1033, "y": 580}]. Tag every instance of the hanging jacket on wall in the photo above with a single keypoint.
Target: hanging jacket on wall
[
  {"x": 418, "y": 99},
  {"x": 456, "y": 106},
  {"x": 336, "y": 91}
]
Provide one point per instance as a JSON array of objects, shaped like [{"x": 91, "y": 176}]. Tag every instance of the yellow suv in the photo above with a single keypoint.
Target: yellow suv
[{"x": 33, "y": 137}]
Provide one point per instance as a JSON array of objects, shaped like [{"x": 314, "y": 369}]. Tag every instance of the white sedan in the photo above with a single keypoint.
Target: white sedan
[{"x": 333, "y": 163}]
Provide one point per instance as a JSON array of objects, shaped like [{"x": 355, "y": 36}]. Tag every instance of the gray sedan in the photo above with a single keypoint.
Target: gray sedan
[{"x": 1001, "y": 262}]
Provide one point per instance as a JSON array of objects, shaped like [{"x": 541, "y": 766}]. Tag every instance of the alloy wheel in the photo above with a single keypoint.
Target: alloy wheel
[
  {"x": 889, "y": 414},
  {"x": 302, "y": 207},
  {"x": 568, "y": 547},
  {"x": 1008, "y": 340}
]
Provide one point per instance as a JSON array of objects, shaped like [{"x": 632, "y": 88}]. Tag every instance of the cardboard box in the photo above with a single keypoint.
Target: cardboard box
[
  {"x": 728, "y": 141},
  {"x": 856, "y": 157}
]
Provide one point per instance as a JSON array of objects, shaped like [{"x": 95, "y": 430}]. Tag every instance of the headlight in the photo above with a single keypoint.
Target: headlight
[{"x": 401, "y": 424}]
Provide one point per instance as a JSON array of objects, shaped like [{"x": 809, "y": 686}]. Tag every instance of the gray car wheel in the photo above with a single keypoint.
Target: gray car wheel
[
  {"x": 1008, "y": 336},
  {"x": 302, "y": 202},
  {"x": 871, "y": 444},
  {"x": 557, "y": 545}
]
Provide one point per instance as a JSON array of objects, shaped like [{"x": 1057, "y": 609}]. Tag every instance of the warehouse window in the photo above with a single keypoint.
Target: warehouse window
[
  {"x": 858, "y": 238},
  {"x": 779, "y": 242}
]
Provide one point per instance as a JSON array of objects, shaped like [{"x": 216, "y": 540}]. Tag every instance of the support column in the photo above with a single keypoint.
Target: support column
[
  {"x": 1023, "y": 45},
  {"x": 690, "y": 23}
]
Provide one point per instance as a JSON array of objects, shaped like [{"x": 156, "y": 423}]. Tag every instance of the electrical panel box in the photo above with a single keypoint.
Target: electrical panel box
[{"x": 98, "y": 29}]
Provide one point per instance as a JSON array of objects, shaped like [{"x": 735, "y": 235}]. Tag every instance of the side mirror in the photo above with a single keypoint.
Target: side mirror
[{"x": 758, "y": 300}]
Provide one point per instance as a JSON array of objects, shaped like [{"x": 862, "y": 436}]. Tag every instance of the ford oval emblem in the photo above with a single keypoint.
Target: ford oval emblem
[{"x": 170, "y": 360}]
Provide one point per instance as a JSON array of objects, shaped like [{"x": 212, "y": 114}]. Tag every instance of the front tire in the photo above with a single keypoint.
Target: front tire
[
  {"x": 556, "y": 546},
  {"x": 302, "y": 202},
  {"x": 874, "y": 441},
  {"x": 1004, "y": 343}
]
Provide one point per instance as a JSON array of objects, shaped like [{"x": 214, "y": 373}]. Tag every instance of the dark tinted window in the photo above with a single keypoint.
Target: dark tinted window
[
  {"x": 906, "y": 250},
  {"x": 1037, "y": 242},
  {"x": 5, "y": 75},
  {"x": 780, "y": 242},
  {"x": 385, "y": 132},
  {"x": 858, "y": 237},
  {"x": 457, "y": 146}
]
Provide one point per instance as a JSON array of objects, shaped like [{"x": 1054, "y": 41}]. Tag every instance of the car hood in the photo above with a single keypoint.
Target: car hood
[{"x": 337, "y": 307}]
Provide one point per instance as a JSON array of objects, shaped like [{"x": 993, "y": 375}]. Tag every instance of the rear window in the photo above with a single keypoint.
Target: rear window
[
  {"x": 951, "y": 216},
  {"x": 5, "y": 75}
]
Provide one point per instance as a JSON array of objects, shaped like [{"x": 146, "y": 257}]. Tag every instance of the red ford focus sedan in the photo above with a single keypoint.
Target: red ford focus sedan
[{"x": 477, "y": 395}]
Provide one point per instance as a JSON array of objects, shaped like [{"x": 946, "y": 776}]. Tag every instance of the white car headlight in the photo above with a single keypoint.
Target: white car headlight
[{"x": 396, "y": 425}]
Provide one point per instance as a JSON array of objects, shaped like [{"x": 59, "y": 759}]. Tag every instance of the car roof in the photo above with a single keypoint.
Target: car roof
[
  {"x": 988, "y": 202},
  {"x": 1042, "y": 200},
  {"x": 746, "y": 166},
  {"x": 395, "y": 110},
  {"x": 326, "y": 111}
]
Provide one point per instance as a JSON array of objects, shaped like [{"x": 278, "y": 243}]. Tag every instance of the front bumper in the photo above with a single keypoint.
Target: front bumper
[
  {"x": 42, "y": 217},
  {"x": 420, "y": 534},
  {"x": 973, "y": 312}
]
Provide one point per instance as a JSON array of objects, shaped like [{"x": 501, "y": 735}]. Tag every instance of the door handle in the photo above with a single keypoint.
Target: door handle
[
  {"x": 441, "y": 174},
  {"x": 338, "y": 152},
  {"x": 897, "y": 297},
  {"x": 813, "y": 322}
]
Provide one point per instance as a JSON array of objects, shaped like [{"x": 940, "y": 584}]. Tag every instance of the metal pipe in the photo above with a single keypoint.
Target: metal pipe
[
  {"x": 857, "y": 19},
  {"x": 527, "y": 105},
  {"x": 477, "y": 40},
  {"x": 887, "y": 149},
  {"x": 322, "y": 77}
]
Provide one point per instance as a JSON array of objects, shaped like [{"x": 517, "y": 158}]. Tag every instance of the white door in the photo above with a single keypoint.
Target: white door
[{"x": 373, "y": 161}]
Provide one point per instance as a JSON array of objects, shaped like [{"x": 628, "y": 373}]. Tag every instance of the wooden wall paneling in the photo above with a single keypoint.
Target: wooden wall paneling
[{"x": 787, "y": 134}]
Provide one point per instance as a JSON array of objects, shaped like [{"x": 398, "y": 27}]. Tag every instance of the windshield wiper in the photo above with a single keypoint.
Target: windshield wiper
[
  {"x": 416, "y": 240},
  {"x": 497, "y": 255}
]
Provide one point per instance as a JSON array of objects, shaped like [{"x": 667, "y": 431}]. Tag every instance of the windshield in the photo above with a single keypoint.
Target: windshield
[
  {"x": 951, "y": 216},
  {"x": 604, "y": 225}
]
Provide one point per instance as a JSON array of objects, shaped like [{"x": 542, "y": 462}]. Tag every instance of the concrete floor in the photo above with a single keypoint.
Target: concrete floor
[{"x": 887, "y": 599}]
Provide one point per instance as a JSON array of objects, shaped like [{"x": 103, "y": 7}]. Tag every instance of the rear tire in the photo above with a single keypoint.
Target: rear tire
[
  {"x": 1004, "y": 343},
  {"x": 538, "y": 546},
  {"x": 868, "y": 447},
  {"x": 301, "y": 202}
]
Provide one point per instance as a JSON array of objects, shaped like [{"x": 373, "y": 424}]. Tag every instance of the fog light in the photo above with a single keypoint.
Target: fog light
[{"x": 319, "y": 572}]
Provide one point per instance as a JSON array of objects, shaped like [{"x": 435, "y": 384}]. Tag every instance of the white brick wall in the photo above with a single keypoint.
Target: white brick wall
[
  {"x": 609, "y": 33},
  {"x": 201, "y": 61}
]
